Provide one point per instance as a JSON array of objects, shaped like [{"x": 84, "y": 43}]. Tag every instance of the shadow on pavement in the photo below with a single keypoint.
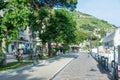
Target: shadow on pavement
[{"x": 101, "y": 69}]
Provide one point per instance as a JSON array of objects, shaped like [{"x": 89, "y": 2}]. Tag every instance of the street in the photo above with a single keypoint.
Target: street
[
  {"x": 72, "y": 66},
  {"x": 82, "y": 68}
]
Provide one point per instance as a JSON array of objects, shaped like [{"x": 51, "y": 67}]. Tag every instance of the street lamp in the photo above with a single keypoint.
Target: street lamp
[
  {"x": 97, "y": 41},
  {"x": 90, "y": 43}
]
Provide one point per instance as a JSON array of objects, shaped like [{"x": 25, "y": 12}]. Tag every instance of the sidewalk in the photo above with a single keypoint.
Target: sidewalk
[{"x": 44, "y": 71}]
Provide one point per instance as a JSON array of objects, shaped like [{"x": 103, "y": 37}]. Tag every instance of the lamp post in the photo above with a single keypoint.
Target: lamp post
[
  {"x": 97, "y": 41},
  {"x": 90, "y": 41}
]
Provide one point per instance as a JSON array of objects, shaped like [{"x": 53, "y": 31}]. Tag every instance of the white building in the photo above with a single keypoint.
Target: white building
[
  {"x": 22, "y": 42},
  {"x": 112, "y": 39}
]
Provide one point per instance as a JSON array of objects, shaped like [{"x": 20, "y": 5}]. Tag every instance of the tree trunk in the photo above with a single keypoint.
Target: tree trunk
[
  {"x": 0, "y": 45},
  {"x": 56, "y": 46},
  {"x": 44, "y": 49},
  {"x": 49, "y": 48},
  {"x": 3, "y": 49}
]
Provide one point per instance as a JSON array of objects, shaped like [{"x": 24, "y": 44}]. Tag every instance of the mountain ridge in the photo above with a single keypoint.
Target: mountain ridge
[{"x": 89, "y": 23}]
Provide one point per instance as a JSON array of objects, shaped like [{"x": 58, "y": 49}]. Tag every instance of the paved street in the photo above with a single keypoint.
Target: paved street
[
  {"x": 82, "y": 68},
  {"x": 44, "y": 71},
  {"x": 63, "y": 67}
]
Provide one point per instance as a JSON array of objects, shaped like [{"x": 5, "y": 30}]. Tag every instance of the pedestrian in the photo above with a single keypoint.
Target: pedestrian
[
  {"x": 15, "y": 52},
  {"x": 21, "y": 53},
  {"x": 61, "y": 51}
]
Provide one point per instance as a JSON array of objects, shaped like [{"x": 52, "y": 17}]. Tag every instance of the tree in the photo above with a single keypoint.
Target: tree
[
  {"x": 81, "y": 36},
  {"x": 69, "y": 4},
  {"x": 43, "y": 15},
  {"x": 15, "y": 17},
  {"x": 50, "y": 4},
  {"x": 61, "y": 27},
  {"x": 2, "y": 32},
  {"x": 37, "y": 18},
  {"x": 3, "y": 4},
  {"x": 37, "y": 23},
  {"x": 66, "y": 26}
]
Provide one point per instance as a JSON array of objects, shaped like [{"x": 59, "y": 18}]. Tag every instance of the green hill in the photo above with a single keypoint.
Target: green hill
[{"x": 89, "y": 24}]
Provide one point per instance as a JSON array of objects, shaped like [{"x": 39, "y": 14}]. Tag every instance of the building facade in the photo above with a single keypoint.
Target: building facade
[
  {"x": 112, "y": 39},
  {"x": 22, "y": 43}
]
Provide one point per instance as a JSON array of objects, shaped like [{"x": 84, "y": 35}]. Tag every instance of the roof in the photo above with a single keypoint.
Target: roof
[{"x": 110, "y": 36}]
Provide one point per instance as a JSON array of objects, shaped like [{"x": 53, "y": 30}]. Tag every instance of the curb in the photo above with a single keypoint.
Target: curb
[
  {"x": 55, "y": 74},
  {"x": 15, "y": 70},
  {"x": 32, "y": 65},
  {"x": 24, "y": 67}
]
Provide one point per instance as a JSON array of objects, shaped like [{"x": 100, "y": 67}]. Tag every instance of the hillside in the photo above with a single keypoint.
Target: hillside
[{"x": 88, "y": 23}]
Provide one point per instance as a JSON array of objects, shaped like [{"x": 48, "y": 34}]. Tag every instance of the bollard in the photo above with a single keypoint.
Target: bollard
[
  {"x": 95, "y": 57},
  {"x": 102, "y": 62},
  {"x": 106, "y": 63},
  {"x": 99, "y": 59},
  {"x": 115, "y": 70}
]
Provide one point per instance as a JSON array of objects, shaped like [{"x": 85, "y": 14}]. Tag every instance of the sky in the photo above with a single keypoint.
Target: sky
[{"x": 108, "y": 10}]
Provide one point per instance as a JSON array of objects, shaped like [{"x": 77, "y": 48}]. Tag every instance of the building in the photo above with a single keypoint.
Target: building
[
  {"x": 22, "y": 42},
  {"x": 112, "y": 39}
]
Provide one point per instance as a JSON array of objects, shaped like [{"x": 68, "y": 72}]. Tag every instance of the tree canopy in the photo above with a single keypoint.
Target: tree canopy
[
  {"x": 15, "y": 16},
  {"x": 69, "y": 4},
  {"x": 43, "y": 16},
  {"x": 61, "y": 27}
]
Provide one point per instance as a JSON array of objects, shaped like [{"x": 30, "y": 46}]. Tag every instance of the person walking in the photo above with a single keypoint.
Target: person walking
[{"x": 20, "y": 54}]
